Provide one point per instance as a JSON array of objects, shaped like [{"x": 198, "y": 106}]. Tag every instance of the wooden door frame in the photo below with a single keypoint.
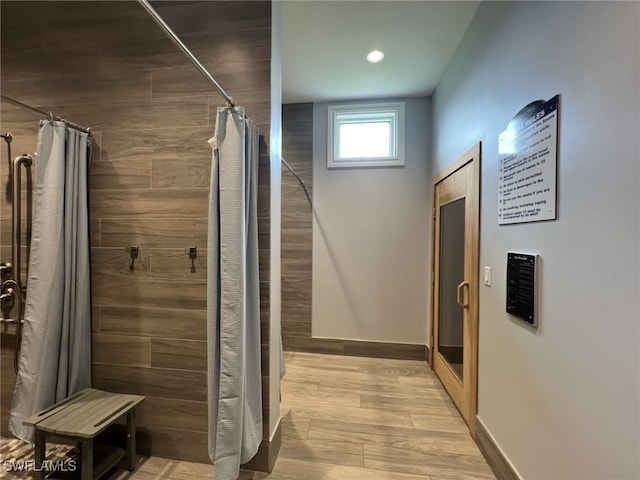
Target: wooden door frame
[{"x": 472, "y": 272}]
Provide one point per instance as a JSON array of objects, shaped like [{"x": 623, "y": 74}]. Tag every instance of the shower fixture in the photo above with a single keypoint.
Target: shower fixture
[
  {"x": 192, "y": 252},
  {"x": 7, "y": 138},
  {"x": 11, "y": 289},
  {"x": 134, "y": 251}
]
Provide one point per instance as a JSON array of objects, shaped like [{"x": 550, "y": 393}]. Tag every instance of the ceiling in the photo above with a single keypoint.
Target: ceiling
[{"x": 324, "y": 45}]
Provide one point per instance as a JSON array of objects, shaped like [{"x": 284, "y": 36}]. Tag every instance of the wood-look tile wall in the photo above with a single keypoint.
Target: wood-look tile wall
[
  {"x": 297, "y": 222},
  {"x": 108, "y": 66}
]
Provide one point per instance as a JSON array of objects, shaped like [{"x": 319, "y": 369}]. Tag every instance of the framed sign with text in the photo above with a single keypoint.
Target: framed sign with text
[{"x": 527, "y": 164}]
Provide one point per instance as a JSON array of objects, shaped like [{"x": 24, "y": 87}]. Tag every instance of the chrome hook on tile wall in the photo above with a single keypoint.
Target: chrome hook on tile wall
[
  {"x": 193, "y": 254},
  {"x": 133, "y": 250}
]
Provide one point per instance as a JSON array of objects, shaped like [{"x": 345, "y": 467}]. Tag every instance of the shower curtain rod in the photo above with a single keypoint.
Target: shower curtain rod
[
  {"x": 178, "y": 43},
  {"x": 50, "y": 115}
]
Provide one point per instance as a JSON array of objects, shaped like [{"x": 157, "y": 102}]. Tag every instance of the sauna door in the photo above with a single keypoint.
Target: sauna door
[{"x": 454, "y": 341}]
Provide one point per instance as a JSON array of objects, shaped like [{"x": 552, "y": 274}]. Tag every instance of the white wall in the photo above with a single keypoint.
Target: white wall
[
  {"x": 371, "y": 240},
  {"x": 562, "y": 401}
]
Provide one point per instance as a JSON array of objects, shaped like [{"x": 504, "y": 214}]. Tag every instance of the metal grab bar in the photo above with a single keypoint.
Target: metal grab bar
[
  {"x": 12, "y": 288},
  {"x": 16, "y": 218}
]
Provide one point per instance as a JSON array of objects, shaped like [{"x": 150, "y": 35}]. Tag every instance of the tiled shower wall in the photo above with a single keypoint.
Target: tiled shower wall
[
  {"x": 297, "y": 219},
  {"x": 106, "y": 65}
]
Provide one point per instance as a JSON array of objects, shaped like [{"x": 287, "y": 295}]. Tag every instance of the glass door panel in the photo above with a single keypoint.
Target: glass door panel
[{"x": 451, "y": 275}]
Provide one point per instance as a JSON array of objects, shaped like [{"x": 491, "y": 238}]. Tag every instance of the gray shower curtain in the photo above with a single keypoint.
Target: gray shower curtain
[
  {"x": 55, "y": 358},
  {"x": 233, "y": 297}
]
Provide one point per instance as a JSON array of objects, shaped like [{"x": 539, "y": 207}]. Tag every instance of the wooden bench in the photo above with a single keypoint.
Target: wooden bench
[{"x": 81, "y": 417}]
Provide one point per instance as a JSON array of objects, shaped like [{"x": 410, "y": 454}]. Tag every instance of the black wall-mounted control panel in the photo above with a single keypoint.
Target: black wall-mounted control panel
[{"x": 521, "y": 286}]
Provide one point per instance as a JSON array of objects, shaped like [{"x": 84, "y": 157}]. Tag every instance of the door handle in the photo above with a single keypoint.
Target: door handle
[{"x": 460, "y": 297}]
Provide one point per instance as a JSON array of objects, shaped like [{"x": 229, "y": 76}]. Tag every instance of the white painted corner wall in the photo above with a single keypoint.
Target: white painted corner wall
[
  {"x": 275, "y": 142},
  {"x": 371, "y": 237},
  {"x": 562, "y": 401}
]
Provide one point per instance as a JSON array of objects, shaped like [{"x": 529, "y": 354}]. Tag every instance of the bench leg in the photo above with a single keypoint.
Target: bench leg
[
  {"x": 87, "y": 459},
  {"x": 131, "y": 441},
  {"x": 39, "y": 454}
]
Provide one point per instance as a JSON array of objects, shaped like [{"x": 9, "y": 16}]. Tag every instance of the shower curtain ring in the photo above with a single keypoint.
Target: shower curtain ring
[{"x": 231, "y": 104}]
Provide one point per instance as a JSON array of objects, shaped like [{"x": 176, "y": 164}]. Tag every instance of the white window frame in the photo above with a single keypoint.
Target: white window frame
[{"x": 363, "y": 113}]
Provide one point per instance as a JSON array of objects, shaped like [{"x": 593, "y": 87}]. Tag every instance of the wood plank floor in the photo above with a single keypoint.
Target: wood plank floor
[{"x": 343, "y": 418}]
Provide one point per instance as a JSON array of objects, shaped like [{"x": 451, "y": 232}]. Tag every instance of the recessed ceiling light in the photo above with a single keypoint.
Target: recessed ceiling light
[{"x": 375, "y": 56}]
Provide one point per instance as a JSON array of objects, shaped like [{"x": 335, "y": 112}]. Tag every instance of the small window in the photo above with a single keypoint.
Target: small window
[{"x": 367, "y": 135}]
